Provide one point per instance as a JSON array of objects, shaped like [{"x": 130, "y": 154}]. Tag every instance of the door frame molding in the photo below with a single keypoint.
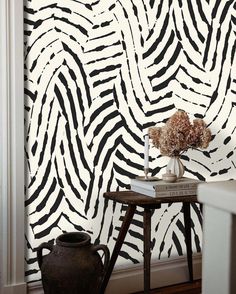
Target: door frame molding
[{"x": 12, "y": 213}]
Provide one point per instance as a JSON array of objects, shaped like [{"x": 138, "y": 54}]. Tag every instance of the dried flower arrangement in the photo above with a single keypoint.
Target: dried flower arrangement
[{"x": 178, "y": 135}]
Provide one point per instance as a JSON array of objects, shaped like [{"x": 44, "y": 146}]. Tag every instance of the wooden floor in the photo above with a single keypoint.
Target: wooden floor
[{"x": 186, "y": 288}]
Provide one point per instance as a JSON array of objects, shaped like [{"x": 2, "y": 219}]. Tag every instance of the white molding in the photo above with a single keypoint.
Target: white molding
[
  {"x": 130, "y": 279},
  {"x": 15, "y": 289},
  {"x": 12, "y": 215}
]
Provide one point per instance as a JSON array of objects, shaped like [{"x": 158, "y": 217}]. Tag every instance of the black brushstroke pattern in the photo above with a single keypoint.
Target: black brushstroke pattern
[
  {"x": 40, "y": 187},
  {"x": 171, "y": 61},
  {"x": 127, "y": 256},
  {"x": 80, "y": 65},
  {"x": 71, "y": 100},
  {"x": 55, "y": 224},
  {"x": 177, "y": 244},
  {"x": 69, "y": 181},
  {"x": 43, "y": 203},
  {"x": 52, "y": 210},
  {"x": 114, "y": 88},
  {"x": 153, "y": 47}
]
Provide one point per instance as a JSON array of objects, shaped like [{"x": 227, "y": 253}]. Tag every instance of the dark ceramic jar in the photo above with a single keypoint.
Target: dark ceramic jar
[{"x": 73, "y": 266}]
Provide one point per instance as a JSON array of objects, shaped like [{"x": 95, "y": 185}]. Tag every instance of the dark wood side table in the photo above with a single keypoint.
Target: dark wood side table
[{"x": 133, "y": 199}]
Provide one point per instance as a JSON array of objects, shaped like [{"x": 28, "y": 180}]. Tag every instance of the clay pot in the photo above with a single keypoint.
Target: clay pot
[{"x": 73, "y": 265}]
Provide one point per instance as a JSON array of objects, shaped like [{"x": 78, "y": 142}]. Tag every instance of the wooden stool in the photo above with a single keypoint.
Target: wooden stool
[{"x": 133, "y": 199}]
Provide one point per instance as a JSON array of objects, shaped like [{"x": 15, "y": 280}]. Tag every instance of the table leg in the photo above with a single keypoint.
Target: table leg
[
  {"x": 188, "y": 240},
  {"x": 147, "y": 248},
  {"x": 124, "y": 228},
  {"x": 201, "y": 208}
]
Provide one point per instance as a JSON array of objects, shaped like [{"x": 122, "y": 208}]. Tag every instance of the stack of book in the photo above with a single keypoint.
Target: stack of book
[{"x": 159, "y": 188}]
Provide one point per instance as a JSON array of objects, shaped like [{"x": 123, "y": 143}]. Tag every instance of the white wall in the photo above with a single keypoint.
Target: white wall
[{"x": 11, "y": 148}]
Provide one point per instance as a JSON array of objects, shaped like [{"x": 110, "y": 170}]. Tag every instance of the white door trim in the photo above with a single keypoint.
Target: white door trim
[{"x": 12, "y": 216}]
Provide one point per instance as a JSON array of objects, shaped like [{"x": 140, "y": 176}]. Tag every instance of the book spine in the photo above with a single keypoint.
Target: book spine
[
  {"x": 165, "y": 187},
  {"x": 186, "y": 186},
  {"x": 140, "y": 190},
  {"x": 186, "y": 192},
  {"x": 142, "y": 185}
]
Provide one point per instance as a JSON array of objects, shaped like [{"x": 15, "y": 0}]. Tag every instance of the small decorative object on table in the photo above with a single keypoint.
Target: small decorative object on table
[
  {"x": 177, "y": 136},
  {"x": 73, "y": 265},
  {"x": 169, "y": 177}
]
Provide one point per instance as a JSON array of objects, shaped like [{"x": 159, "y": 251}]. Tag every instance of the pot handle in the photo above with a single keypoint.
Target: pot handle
[
  {"x": 40, "y": 251},
  {"x": 106, "y": 252}
]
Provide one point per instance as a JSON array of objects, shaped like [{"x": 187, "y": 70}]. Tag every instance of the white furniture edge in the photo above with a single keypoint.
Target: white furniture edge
[
  {"x": 12, "y": 247},
  {"x": 219, "y": 237},
  {"x": 219, "y": 195},
  {"x": 130, "y": 279}
]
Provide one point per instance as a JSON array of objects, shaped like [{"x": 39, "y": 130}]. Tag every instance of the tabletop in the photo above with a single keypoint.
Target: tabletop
[{"x": 134, "y": 198}]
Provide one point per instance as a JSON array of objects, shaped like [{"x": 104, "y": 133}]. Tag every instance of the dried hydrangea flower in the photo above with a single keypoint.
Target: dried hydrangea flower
[
  {"x": 154, "y": 134},
  {"x": 205, "y": 138},
  {"x": 178, "y": 135},
  {"x": 179, "y": 121}
]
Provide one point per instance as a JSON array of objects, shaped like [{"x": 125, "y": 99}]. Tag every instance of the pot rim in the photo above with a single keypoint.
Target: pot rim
[{"x": 63, "y": 239}]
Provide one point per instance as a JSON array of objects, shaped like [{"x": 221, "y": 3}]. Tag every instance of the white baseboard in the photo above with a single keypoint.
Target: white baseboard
[
  {"x": 163, "y": 273},
  {"x": 126, "y": 280},
  {"x": 35, "y": 288},
  {"x": 14, "y": 289}
]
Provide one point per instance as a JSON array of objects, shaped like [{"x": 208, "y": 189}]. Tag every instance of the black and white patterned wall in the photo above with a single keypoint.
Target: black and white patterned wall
[{"x": 98, "y": 73}]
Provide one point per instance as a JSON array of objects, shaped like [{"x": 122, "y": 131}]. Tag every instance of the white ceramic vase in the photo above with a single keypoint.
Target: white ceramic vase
[{"x": 175, "y": 166}]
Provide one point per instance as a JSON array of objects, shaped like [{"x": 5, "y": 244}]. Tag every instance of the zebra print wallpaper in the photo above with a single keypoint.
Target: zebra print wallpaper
[{"x": 98, "y": 74}]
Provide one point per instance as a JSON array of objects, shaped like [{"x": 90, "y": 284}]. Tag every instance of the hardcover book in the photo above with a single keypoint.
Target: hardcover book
[
  {"x": 159, "y": 188},
  {"x": 164, "y": 193}
]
